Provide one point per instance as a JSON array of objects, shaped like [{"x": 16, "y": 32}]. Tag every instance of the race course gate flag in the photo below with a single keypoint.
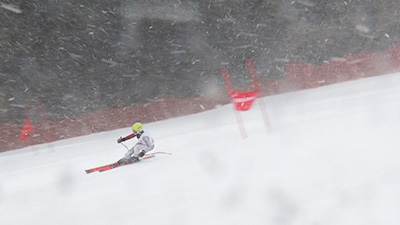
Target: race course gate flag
[{"x": 243, "y": 101}]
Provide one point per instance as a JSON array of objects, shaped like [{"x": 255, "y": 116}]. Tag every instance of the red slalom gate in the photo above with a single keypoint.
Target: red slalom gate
[{"x": 243, "y": 101}]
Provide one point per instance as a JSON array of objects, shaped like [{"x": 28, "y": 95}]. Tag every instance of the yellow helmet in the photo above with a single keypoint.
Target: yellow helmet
[{"x": 137, "y": 127}]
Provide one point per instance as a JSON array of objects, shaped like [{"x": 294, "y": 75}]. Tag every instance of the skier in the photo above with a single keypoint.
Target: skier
[{"x": 145, "y": 143}]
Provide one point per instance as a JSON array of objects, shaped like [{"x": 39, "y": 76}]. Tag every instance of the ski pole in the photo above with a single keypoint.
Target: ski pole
[{"x": 125, "y": 146}]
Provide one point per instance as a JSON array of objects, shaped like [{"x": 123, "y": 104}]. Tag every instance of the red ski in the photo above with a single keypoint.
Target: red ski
[{"x": 114, "y": 165}]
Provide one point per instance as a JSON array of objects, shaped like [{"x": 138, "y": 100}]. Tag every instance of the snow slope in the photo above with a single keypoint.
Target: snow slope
[{"x": 333, "y": 158}]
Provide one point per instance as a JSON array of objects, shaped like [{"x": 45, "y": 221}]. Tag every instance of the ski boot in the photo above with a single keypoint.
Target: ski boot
[
  {"x": 123, "y": 161},
  {"x": 141, "y": 154},
  {"x": 133, "y": 159}
]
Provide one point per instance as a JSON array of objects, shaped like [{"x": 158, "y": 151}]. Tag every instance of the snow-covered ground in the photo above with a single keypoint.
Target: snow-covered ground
[{"x": 332, "y": 158}]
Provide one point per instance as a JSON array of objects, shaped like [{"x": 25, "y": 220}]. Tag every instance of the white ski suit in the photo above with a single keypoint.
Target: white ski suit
[{"x": 145, "y": 143}]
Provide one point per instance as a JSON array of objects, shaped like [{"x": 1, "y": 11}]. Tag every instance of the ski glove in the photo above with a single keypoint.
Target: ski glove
[{"x": 121, "y": 140}]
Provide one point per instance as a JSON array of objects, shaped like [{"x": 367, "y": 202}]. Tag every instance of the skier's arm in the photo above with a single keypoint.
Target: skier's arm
[{"x": 121, "y": 139}]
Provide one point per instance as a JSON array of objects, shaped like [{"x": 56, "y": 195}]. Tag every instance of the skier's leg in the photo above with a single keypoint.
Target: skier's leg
[
  {"x": 130, "y": 153},
  {"x": 141, "y": 150},
  {"x": 128, "y": 156},
  {"x": 135, "y": 153}
]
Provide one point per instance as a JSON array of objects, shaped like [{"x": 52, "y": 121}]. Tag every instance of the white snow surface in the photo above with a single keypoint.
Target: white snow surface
[{"x": 333, "y": 157}]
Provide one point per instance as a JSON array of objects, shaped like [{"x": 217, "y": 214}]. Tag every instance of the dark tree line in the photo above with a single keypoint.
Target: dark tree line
[{"x": 76, "y": 56}]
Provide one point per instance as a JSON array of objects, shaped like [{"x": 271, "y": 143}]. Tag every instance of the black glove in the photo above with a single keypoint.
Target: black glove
[{"x": 121, "y": 139}]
